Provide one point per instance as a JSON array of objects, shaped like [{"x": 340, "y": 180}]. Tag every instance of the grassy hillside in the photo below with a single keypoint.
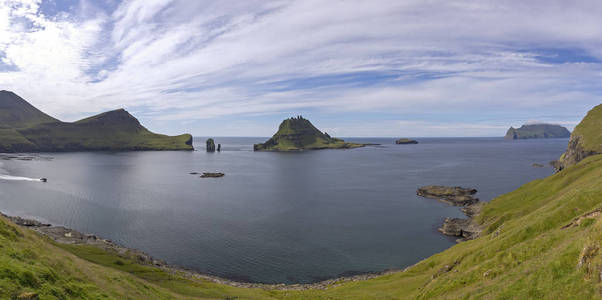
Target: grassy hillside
[
  {"x": 541, "y": 241},
  {"x": 585, "y": 140},
  {"x": 15, "y": 112},
  {"x": 114, "y": 130},
  {"x": 23, "y": 128},
  {"x": 300, "y": 134}
]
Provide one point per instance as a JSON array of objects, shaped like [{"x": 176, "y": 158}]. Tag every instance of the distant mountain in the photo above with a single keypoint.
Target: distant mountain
[
  {"x": 24, "y": 128},
  {"x": 299, "y": 134},
  {"x": 586, "y": 140},
  {"x": 537, "y": 131}
]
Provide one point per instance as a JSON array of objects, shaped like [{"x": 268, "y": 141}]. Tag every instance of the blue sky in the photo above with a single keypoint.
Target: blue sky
[{"x": 354, "y": 68}]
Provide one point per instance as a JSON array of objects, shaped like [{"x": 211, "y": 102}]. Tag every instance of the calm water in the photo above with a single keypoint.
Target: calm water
[{"x": 274, "y": 217}]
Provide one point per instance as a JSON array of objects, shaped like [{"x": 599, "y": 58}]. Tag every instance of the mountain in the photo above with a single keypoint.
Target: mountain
[
  {"x": 26, "y": 129},
  {"x": 15, "y": 112},
  {"x": 586, "y": 139},
  {"x": 537, "y": 131},
  {"x": 299, "y": 134}
]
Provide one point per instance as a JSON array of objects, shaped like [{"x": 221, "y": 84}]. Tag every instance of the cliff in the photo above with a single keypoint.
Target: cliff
[
  {"x": 586, "y": 140},
  {"x": 296, "y": 134},
  {"x": 26, "y": 129},
  {"x": 537, "y": 131}
]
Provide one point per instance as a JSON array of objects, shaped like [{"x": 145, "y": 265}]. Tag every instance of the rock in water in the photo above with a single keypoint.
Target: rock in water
[
  {"x": 212, "y": 175},
  {"x": 453, "y": 195},
  {"x": 537, "y": 131},
  {"x": 586, "y": 140},
  {"x": 210, "y": 145},
  {"x": 405, "y": 141},
  {"x": 297, "y": 133},
  {"x": 219, "y": 147}
]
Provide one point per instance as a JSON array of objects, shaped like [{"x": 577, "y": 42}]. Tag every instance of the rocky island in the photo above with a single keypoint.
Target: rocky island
[
  {"x": 405, "y": 141},
  {"x": 537, "y": 131},
  {"x": 453, "y": 195},
  {"x": 24, "y": 128},
  {"x": 297, "y": 134},
  {"x": 586, "y": 140}
]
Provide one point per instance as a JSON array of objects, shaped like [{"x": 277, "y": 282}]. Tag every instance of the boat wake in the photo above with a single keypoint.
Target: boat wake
[{"x": 18, "y": 178}]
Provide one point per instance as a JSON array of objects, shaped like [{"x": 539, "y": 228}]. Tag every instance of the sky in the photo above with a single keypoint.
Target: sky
[{"x": 411, "y": 68}]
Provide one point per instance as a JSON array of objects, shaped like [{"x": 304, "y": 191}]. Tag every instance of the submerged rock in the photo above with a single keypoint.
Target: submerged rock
[
  {"x": 212, "y": 175},
  {"x": 405, "y": 141},
  {"x": 537, "y": 165},
  {"x": 453, "y": 195},
  {"x": 210, "y": 145}
]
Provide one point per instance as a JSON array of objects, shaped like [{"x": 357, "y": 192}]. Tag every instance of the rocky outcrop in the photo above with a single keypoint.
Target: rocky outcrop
[
  {"x": 405, "y": 141},
  {"x": 464, "y": 229},
  {"x": 586, "y": 140},
  {"x": 455, "y": 195},
  {"x": 212, "y": 175},
  {"x": 537, "y": 131},
  {"x": 219, "y": 147},
  {"x": 210, "y": 145}
]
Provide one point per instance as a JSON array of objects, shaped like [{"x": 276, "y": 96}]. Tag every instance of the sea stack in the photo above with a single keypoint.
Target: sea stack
[
  {"x": 219, "y": 147},
  {"x": 297, "y": 134},
  {"x": 210, "y": 145},
  {"x": 537, "y": 131}
]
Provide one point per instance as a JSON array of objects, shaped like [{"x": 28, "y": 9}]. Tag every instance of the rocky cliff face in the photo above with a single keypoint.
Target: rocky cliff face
[
  {"x": 586, "y": 140},
  {"x": 537, "y": 131}
]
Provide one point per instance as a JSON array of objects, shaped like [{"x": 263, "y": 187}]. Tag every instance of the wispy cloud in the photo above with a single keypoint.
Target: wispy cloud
[{"x": 181, "y": 62}]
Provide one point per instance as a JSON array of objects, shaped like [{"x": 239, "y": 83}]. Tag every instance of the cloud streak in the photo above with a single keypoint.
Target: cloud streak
[{"x": 182, "y": 63}]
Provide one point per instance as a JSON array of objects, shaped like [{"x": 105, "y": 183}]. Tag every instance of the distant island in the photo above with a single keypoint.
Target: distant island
[
  {"x": 405, "y": 141},
  {"x": 24, "y": 128},
  {"x": 297, "y": 134},
  {"x": 537, "y": 131}
]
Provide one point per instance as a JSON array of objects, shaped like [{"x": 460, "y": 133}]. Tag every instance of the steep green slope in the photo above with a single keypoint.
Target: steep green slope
[
  {"x": 114, "y": 130},
  {"x": 15, "y": 112},
  {"x": 23, "y": 128},
  {"x": 585, "y": 140},
  {"x": 541, "y": 241},
  {"x": 300, "y": 134},
  {"x": 537, "y": 131}
]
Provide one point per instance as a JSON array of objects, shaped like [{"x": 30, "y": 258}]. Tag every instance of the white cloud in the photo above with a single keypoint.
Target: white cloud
[{"x": 176, "y": 60}]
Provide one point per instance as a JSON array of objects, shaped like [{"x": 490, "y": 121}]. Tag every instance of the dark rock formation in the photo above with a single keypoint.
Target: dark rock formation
[
  {"x": 453, "y": 195},
  {"x": 537, "y": 165},
  {"x": 586, "y": 140},
  {"x": 537, "y": 131},
  {"x": 212, "y": 175},
  {"x": 463, "y": 228},
  {"x": 210, "y": 145},
  {"x": 405, "y": 141},
  {"x": 296, "y": 134},
  {"x": 219, "y": 147}
]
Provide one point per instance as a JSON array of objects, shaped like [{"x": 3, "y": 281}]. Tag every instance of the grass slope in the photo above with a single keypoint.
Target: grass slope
[
  {"x": 525, "y": 252},
  {"x": 591, "y": 127},
  {"x": 15, "y": 112},
  {"x": 300, "y": 134},
  {"x": 114, "y": 130}
]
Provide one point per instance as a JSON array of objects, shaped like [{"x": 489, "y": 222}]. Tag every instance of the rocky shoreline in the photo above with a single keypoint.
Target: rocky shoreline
[
  {"x": 464, "y": 229},
  {"x": 65, "y": 235}
]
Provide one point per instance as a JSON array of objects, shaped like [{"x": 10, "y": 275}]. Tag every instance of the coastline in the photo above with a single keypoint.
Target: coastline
[{"x": 64, "y": 235}]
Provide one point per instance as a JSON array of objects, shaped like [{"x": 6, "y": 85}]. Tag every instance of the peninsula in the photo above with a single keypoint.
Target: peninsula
[
  {"x": 297, "y": 134},
  {"x": 24, "y": 128},
  {"x": 537, "y": 131}
]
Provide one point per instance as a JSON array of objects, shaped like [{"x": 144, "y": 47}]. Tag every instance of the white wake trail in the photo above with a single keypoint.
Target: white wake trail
[{"x": 17, "y": 178}]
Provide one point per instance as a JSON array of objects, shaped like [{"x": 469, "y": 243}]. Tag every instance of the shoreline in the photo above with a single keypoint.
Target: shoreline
[{"x": 64, "y": 235}]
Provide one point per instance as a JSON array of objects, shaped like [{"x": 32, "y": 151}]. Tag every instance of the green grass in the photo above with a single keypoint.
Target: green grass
[
  {"x": 591, "y": 129},
  {"x": 523, "y": 253}
]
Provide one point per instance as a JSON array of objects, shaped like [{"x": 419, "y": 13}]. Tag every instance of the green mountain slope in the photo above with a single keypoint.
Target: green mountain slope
[
  {"x": 537, "y": 131},
  {"x": 26, "y": 129},
  {"x": 15, "y": 112},
  {"x": 585, "y": 140},
  {"x": 300, "y": 134}
]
